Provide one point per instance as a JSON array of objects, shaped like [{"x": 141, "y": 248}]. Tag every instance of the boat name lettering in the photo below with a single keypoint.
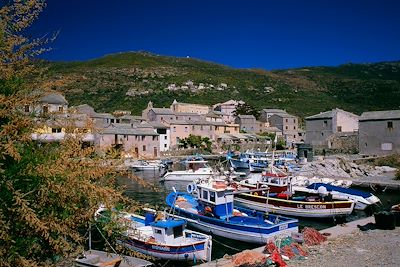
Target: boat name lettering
[
  {"x": 283, "y": 227},
  {"x": 302, "y": 206},
  {"x": 160, "y": 248}
]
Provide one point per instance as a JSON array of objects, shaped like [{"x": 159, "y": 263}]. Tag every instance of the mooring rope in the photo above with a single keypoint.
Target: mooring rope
[{"x": 225, "y": 245}]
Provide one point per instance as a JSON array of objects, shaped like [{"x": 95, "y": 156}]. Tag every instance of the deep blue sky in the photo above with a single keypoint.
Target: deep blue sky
[{"x": 258, "y": 34}]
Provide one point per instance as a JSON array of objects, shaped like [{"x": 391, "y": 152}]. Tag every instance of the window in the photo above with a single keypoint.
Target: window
[
  {"x": 387, "y": 146},
  {"x": 174, "y": 129},
  {"x": 294, "y": 127},
  {"x": 286, "y": 127},
  {"x": 339, "y": 128},
  {"x": 112, "y": 120},
  {"x": 161, "y": 118},
  {"x": 325, "y": 123},
  {"x": 201, "y": 127},
  {"x": 186, "y": 129},
  {"x": 390, "y": 125},
  {"x": 178, "y": 231},
  {"x": 143, "y": 137},
  {"x": 144, "y": 148},
  {"x": 216, "y": 127},
  {"x": 210, "y": 128},
  {"x": 171, "y": 118},
  {"x": 45, "y": 109},
  {"x": 212, "y": 197},
  {"x": 26, "y": 108},
  {"x": 294, "y": 120},
  {"x": 165, "y": 137},
  {"x": 56, "y": 130},
  {"x": 165, "y": 145},
  {"x": 158, "y": 231},
  {"x": 322, "y": 134},
  {"x": 154, "y": 137},
  {"x": 294, "y": 136},
  {"x": 205, "y": 194},
  {"x": 287, "y": 120},
  {"x": 366, "y": 145}
]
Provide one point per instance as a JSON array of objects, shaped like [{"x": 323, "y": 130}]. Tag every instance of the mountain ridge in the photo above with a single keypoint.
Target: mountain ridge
[{"x": 129, "y": 80}]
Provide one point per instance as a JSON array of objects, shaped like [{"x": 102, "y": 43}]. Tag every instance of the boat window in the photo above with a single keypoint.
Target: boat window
[
  {"x": 178, "y": 231},
  {"x": 212, "y": 196},
  {"x": 157, "y": 231},
  {"x": 205, "y": 194}
]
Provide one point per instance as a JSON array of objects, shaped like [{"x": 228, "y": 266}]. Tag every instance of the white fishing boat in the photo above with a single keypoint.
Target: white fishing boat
[
  {"x": 163, "y": 237},
  {"x": 144, "y": 165},
  {"x": 362, "y": 199},
  {"x": 197, "y": 169}
]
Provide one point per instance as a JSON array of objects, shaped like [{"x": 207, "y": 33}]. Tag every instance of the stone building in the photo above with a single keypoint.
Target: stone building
[
  {"x": 379, "y": 132},
  {"x": 321, "y": 126}
]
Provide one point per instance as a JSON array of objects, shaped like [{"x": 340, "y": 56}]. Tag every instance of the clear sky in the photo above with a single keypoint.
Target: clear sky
[{"x": 269, "y": 34}]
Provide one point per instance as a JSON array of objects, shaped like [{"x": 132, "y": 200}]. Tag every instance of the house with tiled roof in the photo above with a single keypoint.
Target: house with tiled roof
[
  {"x": 379, "y": 132},
  {"x": 142, "y": 142},
  {"x": 180, "y": 107},
  {"x": 320, "y": 127}
]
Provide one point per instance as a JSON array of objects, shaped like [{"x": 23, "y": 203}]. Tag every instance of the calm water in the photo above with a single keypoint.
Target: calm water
[{"x": 223, "y": 246}]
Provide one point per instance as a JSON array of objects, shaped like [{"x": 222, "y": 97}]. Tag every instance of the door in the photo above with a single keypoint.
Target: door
[{"x": 155, "y": 152}]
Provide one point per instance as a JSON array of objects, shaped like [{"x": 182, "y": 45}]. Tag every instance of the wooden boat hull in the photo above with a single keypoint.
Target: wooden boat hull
[
  {"x": 199, "y": 251},
  {"x": 295, "y": 208}
]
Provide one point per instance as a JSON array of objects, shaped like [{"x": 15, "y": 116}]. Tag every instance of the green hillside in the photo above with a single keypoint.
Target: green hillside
[{"x": 127, "y": 81}]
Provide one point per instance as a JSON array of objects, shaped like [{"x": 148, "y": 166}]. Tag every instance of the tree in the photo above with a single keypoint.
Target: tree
[
  {"x": 48, "y": 192},
  {"x": 203, "y": 143},
  {"x": 246, "y": 109}
]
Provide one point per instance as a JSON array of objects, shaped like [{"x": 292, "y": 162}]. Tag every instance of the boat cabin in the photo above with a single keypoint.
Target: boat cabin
[
  {"x": 168, "y": 231},
  {"x": 277, "y": 182},
  {"x": 217, "y": 198}
]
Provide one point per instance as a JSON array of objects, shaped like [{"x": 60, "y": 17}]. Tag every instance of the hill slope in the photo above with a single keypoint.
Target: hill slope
[{"x": 129, "y": 80}]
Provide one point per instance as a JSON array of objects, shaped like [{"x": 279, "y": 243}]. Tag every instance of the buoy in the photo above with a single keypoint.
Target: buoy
[{"x": 190, "y": 188}]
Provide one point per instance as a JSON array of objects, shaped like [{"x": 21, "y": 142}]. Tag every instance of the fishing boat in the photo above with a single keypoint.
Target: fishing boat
[
  {"x": 278, "y": 197},
  {"x": 208, "y": 206},
  {"x": 362, "y": 199},
  {"x": 196, "y": 169},
  {"x": 164, "y": 237},
  {"x": 96, "y": 258},
  {"x": 237, "y": 161},
  {"x": 144, "y": 165}
]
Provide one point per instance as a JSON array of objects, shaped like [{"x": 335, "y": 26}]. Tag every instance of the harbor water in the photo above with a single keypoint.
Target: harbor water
[{"x": 155, "y": 197}]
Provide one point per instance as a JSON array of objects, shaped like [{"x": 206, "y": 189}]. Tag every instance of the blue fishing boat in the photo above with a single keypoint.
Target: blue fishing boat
[
  {"x": 212, "y": 211},
  {"x": 237, "y": 161}
]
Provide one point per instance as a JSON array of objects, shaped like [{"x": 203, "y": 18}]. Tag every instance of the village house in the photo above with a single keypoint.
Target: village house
[
  {"x": 289, "y": 125},
  {"x": 268, "y": 112},
  {"x": 321, "y": 126},
  {"x": 179, "y": 107},
  {"x": 227, "y": 109},
  {"x": 55, "y": 128},
  {"x": 141, "y": 142},
  {"x": 164, "y": 133},
  {"x": 182, "y": 129},
  {"x": 248, "y": 123},
  {"x": 50, "y": 103},
  {"x": 379, "y": 132}
]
